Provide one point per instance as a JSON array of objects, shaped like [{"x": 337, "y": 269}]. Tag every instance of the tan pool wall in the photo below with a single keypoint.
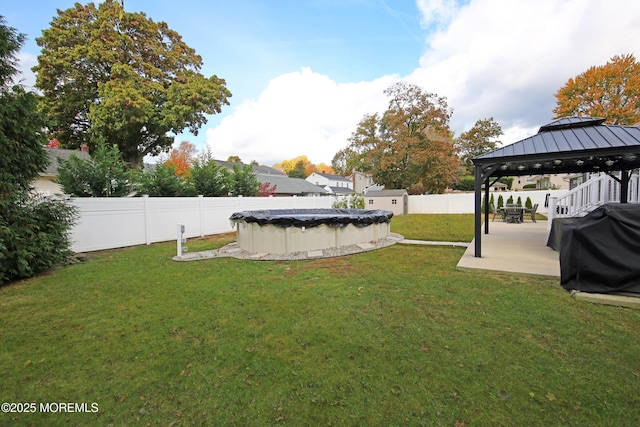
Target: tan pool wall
[{"x": 272, "y": 239}]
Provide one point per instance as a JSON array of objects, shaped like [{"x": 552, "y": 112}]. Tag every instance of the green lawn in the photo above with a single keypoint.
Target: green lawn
[{"x": 396, "y": 336}]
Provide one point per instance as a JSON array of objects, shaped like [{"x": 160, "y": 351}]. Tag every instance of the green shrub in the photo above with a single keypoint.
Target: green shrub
[
  {"x": 34, "y": 235},
  {"x": 354, "y": 201},
  {"x": 528, "y": 204},
  {"x": 104, "y": 175},
  {"x": 500, "y": 202},
  {"x": 33, "y": 232},
  {"x": 161, "y": 181},
  {"x": 466, "y": 183}
]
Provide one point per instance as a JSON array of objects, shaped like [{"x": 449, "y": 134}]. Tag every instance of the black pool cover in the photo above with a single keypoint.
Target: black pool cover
[
  {"x": 314, "y": 217},
  {"x": 601, "y": 251}
]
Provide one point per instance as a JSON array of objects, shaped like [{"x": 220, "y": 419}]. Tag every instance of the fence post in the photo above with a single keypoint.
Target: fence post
[
  {"x": 201, "y": 209},
  {"x": 147, "y": 226}
]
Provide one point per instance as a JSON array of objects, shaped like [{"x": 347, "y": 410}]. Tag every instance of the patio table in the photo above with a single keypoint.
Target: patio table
[{"x": 513, "y": 214}]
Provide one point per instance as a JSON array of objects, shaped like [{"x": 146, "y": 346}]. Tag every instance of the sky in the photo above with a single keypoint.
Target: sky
[{"x": 303, "y": 73}]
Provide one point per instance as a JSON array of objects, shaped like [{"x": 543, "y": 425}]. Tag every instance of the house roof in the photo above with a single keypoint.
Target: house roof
[
  {"x": 333, "y": 177},
  {"x": 286, "y": 185},
  {"x": 55, "y": 154},
  {"x": 386, "y": 193},
  {"x": 341, "y": 190},
  {"x": 567, "y": 145}
]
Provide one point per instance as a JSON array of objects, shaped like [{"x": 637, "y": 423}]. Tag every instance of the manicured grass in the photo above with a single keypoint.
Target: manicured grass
[
  {"x": 451, "y": 228},
  {"x": 396, "y": 336}
]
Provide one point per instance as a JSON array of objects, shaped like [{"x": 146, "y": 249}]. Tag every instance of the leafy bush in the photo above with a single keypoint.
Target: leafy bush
[
  {"x": 161, "y": 181},
  {"x": 104, "y": 175},
  {"x": 34, "y": 235},
  {"x": 500, "y": 202},
  {"x": 528, "y": 204},
  {"x": 354, "y": 201},
  {"x": 466, "y": 183},
  {"x": 33, "y": 232},
  {"x": 209, "y": 178},
  {"x": 244, "y": 181}
]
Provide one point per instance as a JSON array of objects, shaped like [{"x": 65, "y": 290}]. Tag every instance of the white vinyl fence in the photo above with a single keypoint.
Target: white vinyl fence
[
  {"x": 458, "y": 203},
  {"x": 106, "y": 223},
  {"x": 111, "y": 222}
]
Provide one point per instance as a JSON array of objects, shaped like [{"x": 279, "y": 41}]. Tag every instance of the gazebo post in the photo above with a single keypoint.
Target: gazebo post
[
  {"x": 478, "y": 212},
  {"x": 625, "y": 176},
  {"x": 486, "y": 205}
]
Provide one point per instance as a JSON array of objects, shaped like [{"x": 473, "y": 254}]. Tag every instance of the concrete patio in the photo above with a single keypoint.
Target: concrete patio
[
  {"x": 522, "y": 248},
  {"x": 516, "y": 248}
]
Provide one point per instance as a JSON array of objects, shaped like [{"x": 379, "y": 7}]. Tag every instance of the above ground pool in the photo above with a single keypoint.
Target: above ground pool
[{"x": 284, "y": 231}]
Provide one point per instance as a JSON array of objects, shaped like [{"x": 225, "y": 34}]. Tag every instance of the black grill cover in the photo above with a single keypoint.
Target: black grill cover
[{"x": 601, "y": 251}]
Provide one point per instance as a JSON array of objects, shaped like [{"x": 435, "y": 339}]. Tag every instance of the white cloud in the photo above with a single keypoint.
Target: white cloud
[
  {"x": 25, "y": 76},
  {"x": 507, "y": 59},
  {"x": 489, "y": 58},
  {"x": 299, "y": 113}
]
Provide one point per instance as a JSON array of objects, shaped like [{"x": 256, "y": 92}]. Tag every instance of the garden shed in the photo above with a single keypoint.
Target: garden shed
[{"x": 396, "y": 201}]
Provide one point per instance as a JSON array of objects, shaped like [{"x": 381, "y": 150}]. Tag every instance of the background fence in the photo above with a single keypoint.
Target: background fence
[
  {"x": 111, "y": 222},
  {"x": 106, "y": 223},
  {"x": 453, "y": 203}
]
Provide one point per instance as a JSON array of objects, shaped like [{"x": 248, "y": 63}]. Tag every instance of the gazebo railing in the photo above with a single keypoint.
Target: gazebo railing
[{"x": 594, "y": 192}]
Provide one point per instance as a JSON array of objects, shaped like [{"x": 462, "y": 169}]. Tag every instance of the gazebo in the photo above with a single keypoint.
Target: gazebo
[{"x": 566, "y": 145}]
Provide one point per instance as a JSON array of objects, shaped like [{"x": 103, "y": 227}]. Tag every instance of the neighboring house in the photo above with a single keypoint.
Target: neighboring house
[
  {"x": 325, "y": 179},
  {"x": 396, "y": 201},
  {"x": 285, "y": 186},
  {"x": 46, "y": 183},
  {"x": 338, "y": 191},
  {"x": 543, "y": 182},
  {"x": 497, "y": 186},
  {"x": 360, "y": 181}
]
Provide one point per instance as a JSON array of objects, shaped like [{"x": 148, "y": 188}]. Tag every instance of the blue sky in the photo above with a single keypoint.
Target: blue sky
[{"x": 304, "y": 72}]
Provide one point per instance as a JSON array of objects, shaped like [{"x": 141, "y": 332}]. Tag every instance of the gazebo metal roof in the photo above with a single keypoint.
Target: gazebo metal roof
[{"x": 566, "y": 145}]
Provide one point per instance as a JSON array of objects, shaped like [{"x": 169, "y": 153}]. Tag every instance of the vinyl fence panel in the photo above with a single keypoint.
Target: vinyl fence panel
[{"x": 113, "y": 222}]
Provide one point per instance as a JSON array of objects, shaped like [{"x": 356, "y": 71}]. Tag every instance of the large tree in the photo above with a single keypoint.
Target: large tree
[
  {"x": 355, "y": 157},
  {"x": 410, "y": 145},
  {"x": 611, "y": 91},
  {"x": 118, "y": 77},
  {"x": 480, "y": 139}
]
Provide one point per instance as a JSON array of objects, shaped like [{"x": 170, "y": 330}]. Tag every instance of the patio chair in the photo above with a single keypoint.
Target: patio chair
[
  {"x": 532, "y": 212},
  {"x": 494, "y": 211}
]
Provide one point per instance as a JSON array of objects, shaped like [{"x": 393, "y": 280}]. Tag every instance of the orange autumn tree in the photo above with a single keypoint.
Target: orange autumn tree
[
  {"x": 181, "y": 158},
  {"x": 610, "y": 91},
  {"x": 287, "y": 166}
]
